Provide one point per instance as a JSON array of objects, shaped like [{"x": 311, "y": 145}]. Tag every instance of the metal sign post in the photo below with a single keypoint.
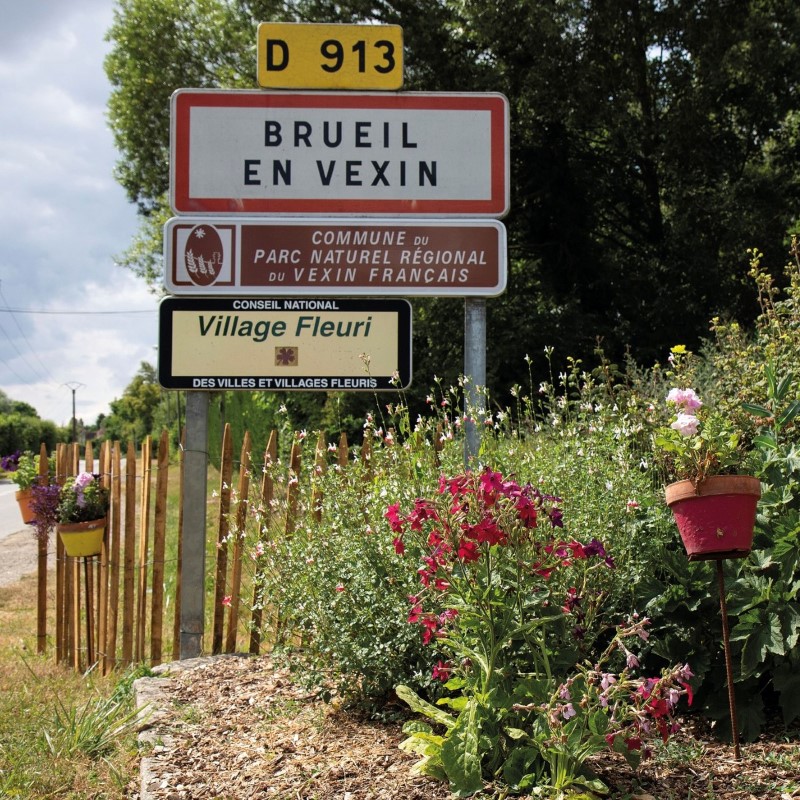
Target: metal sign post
[
  {"x": 266, "y": 186},
  {"x": 193, "y": 532},
  {"x": 474, "y": 372}
]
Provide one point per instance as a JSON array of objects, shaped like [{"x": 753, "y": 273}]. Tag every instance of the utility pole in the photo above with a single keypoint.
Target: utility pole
[{"x": 74, "y": 386}]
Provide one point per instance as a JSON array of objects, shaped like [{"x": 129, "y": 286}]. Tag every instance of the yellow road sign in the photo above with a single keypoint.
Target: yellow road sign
[{"x": 312, "y": 56}]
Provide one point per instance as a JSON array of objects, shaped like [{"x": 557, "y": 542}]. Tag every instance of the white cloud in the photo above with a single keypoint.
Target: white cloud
[{"x": 63, "y": 218}]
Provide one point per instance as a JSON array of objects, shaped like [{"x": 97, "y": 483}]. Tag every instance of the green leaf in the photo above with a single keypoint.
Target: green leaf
[
  {"x": 764, "y": 635},
  {"x": 420, "y": 706},
  {"x": 791, "y": 412},
  {"x": 516, "y": 733},
  {"x": 750, "y": 714},
  {"x": 790, "y": 626},
  {"x": 460, "y": 754},
  {"x": 787, "y": 682},
  {"x": 598, "y": 722},
  {"x": 456, "y": 703},
  {"x": 783, "y": 386},
  {"x": 517, "y": 768},
  {"x": 416, "y": 726},
  {"x": 765, "y": 441},
  {"x": 758, "y": 411},
  {"x": 430, "y": 765},
  {"x": 422, "y": 744}
]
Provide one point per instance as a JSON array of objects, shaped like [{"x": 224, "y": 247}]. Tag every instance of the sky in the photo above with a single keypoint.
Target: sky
[{"x": 70, "y": 317}]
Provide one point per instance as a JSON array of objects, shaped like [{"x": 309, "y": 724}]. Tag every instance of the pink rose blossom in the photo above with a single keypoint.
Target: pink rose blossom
[
  {"x": 686, "y": 424},
  {"x": 686, "y": 398}
]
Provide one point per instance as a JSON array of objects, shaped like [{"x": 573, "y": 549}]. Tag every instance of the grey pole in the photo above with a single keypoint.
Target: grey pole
[
  {"x": 73, "y": 387},
  {"x": 193, "y": 532},
  {"x": 474, "y": 370}
]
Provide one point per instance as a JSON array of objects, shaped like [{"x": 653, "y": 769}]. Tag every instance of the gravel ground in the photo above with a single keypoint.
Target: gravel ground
[{"x": 18, "y": 556}]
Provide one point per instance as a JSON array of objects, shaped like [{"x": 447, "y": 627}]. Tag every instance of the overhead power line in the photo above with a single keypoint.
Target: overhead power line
[
  {"x": 82, "y": 313},
  {"x": 45, "y": 372}
]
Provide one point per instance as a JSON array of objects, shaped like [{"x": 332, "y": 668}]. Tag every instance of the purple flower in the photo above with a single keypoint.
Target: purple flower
[
  {"x": 595, "y": 548},
  {"x": 44, "y": 504},
  {"x": 10, "y": 463}
]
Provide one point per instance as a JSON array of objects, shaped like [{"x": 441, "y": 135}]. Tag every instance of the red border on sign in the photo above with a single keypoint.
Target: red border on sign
[{"x": 185, "y": 99}]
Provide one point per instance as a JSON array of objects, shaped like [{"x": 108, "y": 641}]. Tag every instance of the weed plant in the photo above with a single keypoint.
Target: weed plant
[{"x": 62, "y": 734}]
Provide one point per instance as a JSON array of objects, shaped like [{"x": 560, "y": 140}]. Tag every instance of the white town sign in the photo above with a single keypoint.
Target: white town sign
[{"x": 327, "y": 153}]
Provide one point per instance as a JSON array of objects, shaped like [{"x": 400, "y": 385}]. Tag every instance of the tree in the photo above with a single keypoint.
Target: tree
[
  {"x": 652, "y": 142},
  {"x": 132, "y": 415}
]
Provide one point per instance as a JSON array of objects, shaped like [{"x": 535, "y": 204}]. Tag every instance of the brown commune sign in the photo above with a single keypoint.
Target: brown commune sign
[{"x": 335, "y": 257}]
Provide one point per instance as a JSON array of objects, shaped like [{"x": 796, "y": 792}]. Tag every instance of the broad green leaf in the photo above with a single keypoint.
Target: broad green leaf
[
  {"x": 460, "y": 754},
  {"x": 516, "y": 733},
  {"x": 598, "y": 722},
  {"x": 765, "y": 441},
  {"x": 430, "y": 765},
  {"x": 420, "y": 706},
  {"x": 422, "y": 744},
  {"x": 517, "y": 767},
  {"x": 765, "y": 635},
  {"x": 790, "y": 626},
  {"x": 787, "y": 682},
  {"x": 750, "y": 714},
  {"x": 416, "y": 726},
  {"x": 456, "y": 703}
]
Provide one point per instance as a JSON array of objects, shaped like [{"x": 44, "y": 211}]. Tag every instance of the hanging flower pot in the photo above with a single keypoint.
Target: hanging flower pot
[
  {"x": 82, "y": 538},
  {"x": 24, "y": 500},
  {"x": 715, "y": 517}
]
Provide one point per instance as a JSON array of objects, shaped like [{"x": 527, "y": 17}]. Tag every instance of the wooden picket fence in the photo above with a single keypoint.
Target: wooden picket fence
[{"x": 110, "y": 609}]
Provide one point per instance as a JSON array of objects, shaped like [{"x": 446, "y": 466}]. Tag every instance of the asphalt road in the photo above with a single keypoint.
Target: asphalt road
[{"x": 10, "y": 519}]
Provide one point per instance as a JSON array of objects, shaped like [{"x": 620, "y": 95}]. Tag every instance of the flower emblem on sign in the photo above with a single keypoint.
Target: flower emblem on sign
[{"x": 287, "y": 356}]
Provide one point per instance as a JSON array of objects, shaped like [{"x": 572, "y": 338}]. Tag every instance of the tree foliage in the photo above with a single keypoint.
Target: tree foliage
[
  {"x": 652, "y": 142},
  {"x": 133, "y": 416}
]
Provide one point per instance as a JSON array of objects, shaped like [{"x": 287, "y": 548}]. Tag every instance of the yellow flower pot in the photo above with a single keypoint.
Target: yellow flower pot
[{"x": 82, "y": 538}]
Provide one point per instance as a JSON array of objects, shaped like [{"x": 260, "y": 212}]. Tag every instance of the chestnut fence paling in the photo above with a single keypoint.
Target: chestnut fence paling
[{"x": 113, "y": 609}]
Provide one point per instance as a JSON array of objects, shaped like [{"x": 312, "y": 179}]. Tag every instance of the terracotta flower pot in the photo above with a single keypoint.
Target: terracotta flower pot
[
  {"x": 82, "y": 538},
  {"x": 24, "y": 500},
  {"x": 716, "y": 517}
]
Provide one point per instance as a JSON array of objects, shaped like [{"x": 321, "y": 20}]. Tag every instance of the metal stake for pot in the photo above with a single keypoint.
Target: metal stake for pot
[{"x": 726, "y": 638}]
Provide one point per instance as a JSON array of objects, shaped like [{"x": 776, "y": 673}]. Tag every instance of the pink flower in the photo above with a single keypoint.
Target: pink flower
[
  {"x": 468, "y": 551},
  {"x": 339, "y": 587},
  {"x": 685, "y": 398},
  {"x": 568, "y": 711},
  {"x": 441, "y": 671},
  {"x": 393, "y": 515},
  {"x": 607, "y": 681},
  {"x": 226, "y": 601},
  {"x": 686, "y": 424},
  {"x": 83, "y": 480}
]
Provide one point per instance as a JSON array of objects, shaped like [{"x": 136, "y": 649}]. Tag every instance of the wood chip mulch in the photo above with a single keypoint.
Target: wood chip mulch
[{"x": 235, "y": 728}]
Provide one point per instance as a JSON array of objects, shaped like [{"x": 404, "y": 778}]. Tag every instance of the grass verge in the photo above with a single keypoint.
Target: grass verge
[{"x": 62, "y": 735}]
